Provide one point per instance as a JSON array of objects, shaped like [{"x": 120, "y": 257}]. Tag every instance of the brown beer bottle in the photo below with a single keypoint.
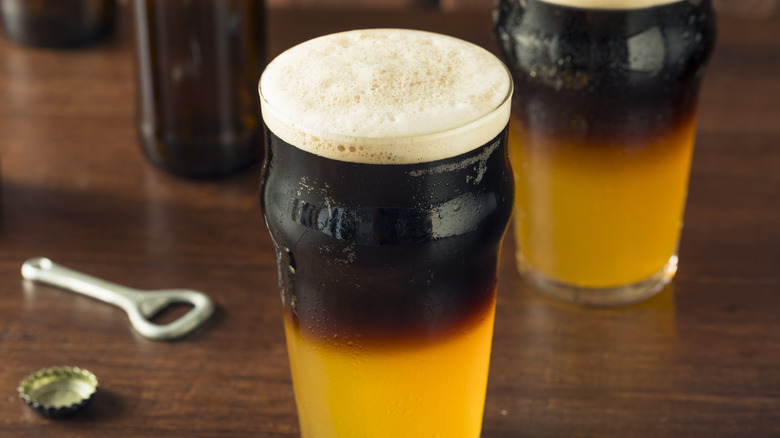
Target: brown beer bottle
[
  {"x": 198, "y": 65},
  {"x": 57, "y": 23}
]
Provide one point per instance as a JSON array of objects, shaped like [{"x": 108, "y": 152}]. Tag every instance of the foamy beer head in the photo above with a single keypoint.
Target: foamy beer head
[
  {"x": 386, "y": 96},
  {"x": 611, "y": 4}
]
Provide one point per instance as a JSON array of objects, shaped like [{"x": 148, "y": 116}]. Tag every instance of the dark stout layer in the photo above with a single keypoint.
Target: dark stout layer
[
  {"x": 397, "y": 253},
  {"x": 648, "y": 77}
]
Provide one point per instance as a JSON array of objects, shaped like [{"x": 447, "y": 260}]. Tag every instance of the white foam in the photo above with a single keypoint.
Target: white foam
[
  {"x": 611, "y": 4},
  {"x": 386, "y": 96}
]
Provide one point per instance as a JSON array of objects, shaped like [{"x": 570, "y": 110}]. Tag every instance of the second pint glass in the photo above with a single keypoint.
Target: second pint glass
[
  {"x": 387, "y": 192},
  {"x": 603, "y": 130}
]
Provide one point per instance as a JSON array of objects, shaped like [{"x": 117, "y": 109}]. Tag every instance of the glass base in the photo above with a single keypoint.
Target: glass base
[{"x": 601, "y": 297}]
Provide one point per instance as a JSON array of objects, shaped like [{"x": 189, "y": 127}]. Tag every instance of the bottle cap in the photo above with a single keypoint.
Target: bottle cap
[{"x": 58, "y": 392}]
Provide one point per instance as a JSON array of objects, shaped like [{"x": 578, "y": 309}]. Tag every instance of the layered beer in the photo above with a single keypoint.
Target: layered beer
[
  {"x": 602, "y": 139},
  {"x": 387, "y": 192}
]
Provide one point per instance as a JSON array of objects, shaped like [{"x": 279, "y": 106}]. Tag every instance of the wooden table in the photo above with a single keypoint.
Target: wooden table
[{"x": 700, "y": 359}]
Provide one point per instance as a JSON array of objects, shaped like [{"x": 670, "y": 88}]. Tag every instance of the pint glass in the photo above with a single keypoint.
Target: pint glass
[
  {"x": 386, "y": 191},
  {"x": 601, "y": 140}
]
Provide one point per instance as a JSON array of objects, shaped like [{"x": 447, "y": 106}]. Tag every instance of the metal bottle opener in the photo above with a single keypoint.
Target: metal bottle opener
[{"x": 139, "y": 305}]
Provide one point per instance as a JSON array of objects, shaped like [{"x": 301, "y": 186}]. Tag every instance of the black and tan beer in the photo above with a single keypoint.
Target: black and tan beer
[
  {"x": 387, "y": 191},
  {"x": 602, "y": 139}
]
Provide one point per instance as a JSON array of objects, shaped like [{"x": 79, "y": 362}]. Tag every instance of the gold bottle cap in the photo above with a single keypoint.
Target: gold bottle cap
[{"x": 59, "y": 391}]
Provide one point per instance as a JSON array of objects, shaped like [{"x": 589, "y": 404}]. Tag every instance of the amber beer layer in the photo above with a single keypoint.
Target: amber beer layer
[
  {"x": 387, "y": 191},
  {"x": 602, "y": 139}
]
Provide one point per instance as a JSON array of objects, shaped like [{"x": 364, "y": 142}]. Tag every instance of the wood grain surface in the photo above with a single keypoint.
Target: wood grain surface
[{"x": 702, "y": 359}]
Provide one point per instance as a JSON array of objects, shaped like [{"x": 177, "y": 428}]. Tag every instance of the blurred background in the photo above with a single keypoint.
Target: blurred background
[{"x": 744, "y": 8}]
